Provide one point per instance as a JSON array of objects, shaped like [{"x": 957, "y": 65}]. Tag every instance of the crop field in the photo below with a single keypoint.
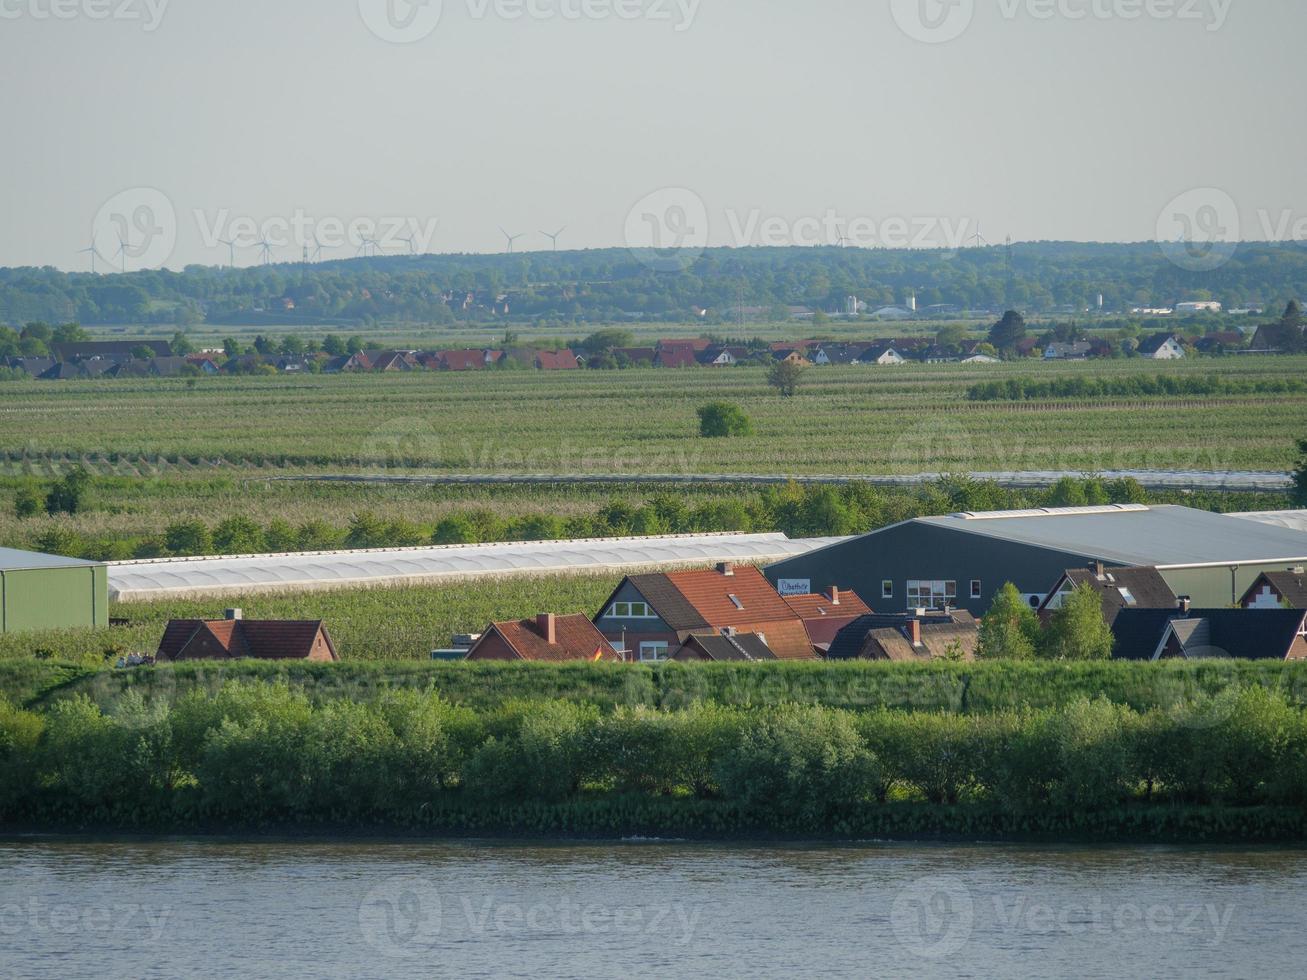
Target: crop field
[{"x": 851, "y": 420}]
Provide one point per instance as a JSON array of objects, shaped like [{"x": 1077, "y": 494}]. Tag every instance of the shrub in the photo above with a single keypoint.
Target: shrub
[
  {"x": 68, "y": 496},
  {"x": 20, "y": 736},
  {"x": 805, "y": 763},
  {"x": 937, "y": 754},
  {"x": 721, "y": 420},
  {"x": 188, "y": 538},
  {"x": 238, "y": 536},
  {"x": 27, "y": 503},
  {"x": 544, "y": 758},
  {"x": 1092, "y": 745}
]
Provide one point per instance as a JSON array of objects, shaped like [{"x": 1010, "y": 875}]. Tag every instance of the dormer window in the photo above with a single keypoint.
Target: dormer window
[{"x": 736, "y": 600}]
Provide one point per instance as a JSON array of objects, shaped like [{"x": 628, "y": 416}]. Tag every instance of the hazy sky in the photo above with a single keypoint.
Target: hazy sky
[{"x": 1041, "y": 119}]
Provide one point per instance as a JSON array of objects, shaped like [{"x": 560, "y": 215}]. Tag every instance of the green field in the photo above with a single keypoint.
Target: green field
[{"x": 850, "y": 420}]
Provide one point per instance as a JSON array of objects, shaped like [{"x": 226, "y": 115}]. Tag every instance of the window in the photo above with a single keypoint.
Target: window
[
  {"x": 977, "y": 588},
  {"x": 887, "y": 589},
  {"x": 736, "y": 599},
  {"x": 1127, "y": 595},
  {"x": 651, "y": 652},
  {"x": 932, "y": 594},
  {"x": 631, "y": 610}
]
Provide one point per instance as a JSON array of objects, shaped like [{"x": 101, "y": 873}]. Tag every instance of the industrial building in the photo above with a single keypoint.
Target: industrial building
[
  {"x": 46, "y": 592},
  {"x": 962, "y": 560}
]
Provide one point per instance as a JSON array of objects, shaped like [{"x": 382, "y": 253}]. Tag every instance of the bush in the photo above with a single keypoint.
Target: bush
[
  {"x": 937, "y": 754},
  {"x": 803, "y": 763},
  {"x": 68, "y": 496},
  {"x": 188, "y": 538},
  {"x": 1092, "y": 745},
  {"x": 20, "y": 736},
  {"x": 543, "y": 758},
  {"x": 238, "y": 536},
  {"x": 721, "y": 420},
  {"x": 27, "y": 503}
]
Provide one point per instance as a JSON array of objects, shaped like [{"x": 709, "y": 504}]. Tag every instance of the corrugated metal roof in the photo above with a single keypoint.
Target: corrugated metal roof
[
  {"x": 12, "y": 560},
  {"x": 1163, "y": 536},
  {"x": 205, "y": 577}
]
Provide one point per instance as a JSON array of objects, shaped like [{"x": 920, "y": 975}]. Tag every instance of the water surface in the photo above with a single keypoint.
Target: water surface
[{"x": 227, "y": 909}]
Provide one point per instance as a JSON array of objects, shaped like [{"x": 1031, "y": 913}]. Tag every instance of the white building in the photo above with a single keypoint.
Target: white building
[{"x": 1206, "y": 306}]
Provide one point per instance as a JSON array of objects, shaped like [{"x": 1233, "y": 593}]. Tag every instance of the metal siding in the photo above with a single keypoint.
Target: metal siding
[
  {"x": 918, "y": 550},
  {"x": 55, "y": 598}
]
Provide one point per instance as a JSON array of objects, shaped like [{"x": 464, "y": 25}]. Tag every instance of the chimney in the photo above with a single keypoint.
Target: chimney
[
  {"x": 727, "y": 569},
  {"x": 834, "y": 596},
  {"x": 1099, "y": 570},
  {"x": 1186, "y": 604},
  {"x": 232, "y": 615},
  {"x": 914, "y": 632},
  {"x": 547, "y": 624}
]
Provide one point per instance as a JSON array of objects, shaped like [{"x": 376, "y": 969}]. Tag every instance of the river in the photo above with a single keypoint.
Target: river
[{"x": 218, "y": 909}]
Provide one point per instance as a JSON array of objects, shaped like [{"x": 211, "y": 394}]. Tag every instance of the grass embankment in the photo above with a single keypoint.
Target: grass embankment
[{"x": 1229, "y": 766}]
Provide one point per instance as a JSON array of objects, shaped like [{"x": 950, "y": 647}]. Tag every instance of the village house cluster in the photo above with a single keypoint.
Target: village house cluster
[
  {"x": 1172, "y": 583},
  {"x": 89, "y": 360}
]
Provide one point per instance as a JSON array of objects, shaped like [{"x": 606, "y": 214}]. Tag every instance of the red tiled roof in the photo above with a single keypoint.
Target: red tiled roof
[
  {"x": 821, "y": 607},
  {"x": 677, "y": 356},
  {"x": 577, "y": 639},
  {"x": 239, "y": 639},
  {"x": 462, "y": 360},
  {"x": 562, "y": 360}
]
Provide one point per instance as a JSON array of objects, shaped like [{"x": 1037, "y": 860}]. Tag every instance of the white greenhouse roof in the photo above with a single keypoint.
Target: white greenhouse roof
[
  {"x": 1295, "y": 520},
  {"x": 135, "y": 581}
]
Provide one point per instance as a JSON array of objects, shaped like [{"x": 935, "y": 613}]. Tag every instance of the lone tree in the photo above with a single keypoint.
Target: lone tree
[
  {"x": 1008, "y": 332},
  {"x": 785, "y": 377},
  {"x": 1078, "y": 630},
  {"x": 1010, "y": 631},
  {"x": 722, "y": 420},
  {"x": 68, "y": 496}
]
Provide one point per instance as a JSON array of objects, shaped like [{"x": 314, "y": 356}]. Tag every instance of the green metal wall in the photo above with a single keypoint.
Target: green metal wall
[
  {"x": 53, "y": 598},
  {"x": 1217, "y": 588}
]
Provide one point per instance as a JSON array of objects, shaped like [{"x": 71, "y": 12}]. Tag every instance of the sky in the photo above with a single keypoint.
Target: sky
[{"x": 165, "y": 127}]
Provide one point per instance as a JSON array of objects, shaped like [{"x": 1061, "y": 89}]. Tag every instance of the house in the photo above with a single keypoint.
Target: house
[
  {"x": 825, "y": 615},
  {"x": 112, "y": 350},
  {"x": 908, "y": 638},
  {"x": 1119, "y": 588},
  {"x": 546, "y": 639},
  {"x": 978, "y": 358},
  {"x": 827, "y": 354},
  {"x": 650, "y": 617},
  {"x": 1162, "y": 347},
  {"x": 64, "y": 371},
  {"x": 173, "y": 367},
  {"x": 1067, "y": 351},
  {"x": 962, "y": 560},
  {"x": 791, "y": 357},
  {"x": 1211, "y": 634},
  {"x": 348, "y": 364},
  {"x": 676, "y": 355},
  {"x": 884, "y": 356},
  {"x": 237, "y": 638},
  {"x": 724, "y": 648},
  {"x": 33, "y": 366},
  {"x": 1277, "y": 590},
  {"x": 465, "y": 360},
  {"x": 723, "y": 356},
  {"x": 556, "y": 360},
  {"x": 392, "y": 361},
  {"x": 1219, "y": 342},
  {"x": 1206, "y": 306}
]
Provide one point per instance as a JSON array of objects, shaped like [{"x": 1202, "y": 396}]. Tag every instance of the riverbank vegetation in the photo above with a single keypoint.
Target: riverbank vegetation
[{"x": 1231, "y": 765}]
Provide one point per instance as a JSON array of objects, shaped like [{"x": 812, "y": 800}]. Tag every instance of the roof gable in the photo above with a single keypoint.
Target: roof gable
[{"x": 576, "y": 639}]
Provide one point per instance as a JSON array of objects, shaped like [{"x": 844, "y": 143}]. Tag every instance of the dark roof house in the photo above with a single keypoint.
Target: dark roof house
[
  {"x": 1120, "y": 588},
  {"x": 725, "y": 648},
  {"x": 1277, "y": 590},
  {"x": 908, "y": 638},
  {"x": 1211, "y": 634},
  {"x": 241, "y": 639}
]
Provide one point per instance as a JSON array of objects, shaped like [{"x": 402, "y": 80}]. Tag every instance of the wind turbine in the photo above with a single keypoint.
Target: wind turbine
[
  {"x": 265, "y": 251},
  {"x": 842, "y": 241},
  {"x": 512, "y": 239},
  {"x": 368, "y": 247},
  {"x": 95, "y": 253},
  {"x": 231, "y": 251},
  {"x": 122, "y": 252},
  {"x": 412, "y": 247},
  {"x": 978, "y": 239},
  {"x": 554, "y": 237}
]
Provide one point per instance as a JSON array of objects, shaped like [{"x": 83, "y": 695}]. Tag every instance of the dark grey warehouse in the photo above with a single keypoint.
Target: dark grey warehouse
[{"x": 962, "y": 560}]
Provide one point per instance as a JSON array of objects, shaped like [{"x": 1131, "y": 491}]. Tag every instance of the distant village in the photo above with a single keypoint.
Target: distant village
[{"x": 91, "y": 360}]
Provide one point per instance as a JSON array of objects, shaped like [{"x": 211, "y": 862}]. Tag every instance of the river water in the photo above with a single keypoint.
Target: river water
[{"x": 223, "y": 909}]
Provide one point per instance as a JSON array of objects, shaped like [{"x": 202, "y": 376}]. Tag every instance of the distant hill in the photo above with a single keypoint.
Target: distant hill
[{"x": 610, "y": 285}]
